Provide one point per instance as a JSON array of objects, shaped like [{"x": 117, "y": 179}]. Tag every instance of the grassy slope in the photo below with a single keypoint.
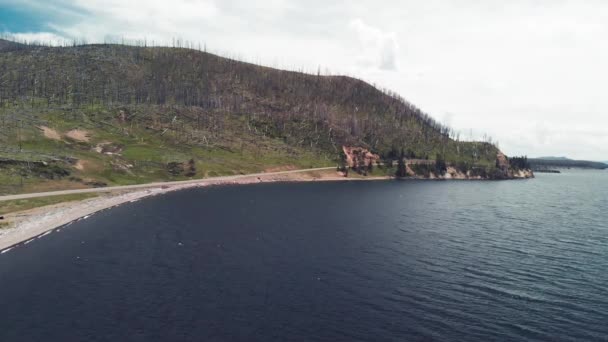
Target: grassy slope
[
  {"x": 26, "y": 204},
  {"x": 144, "y": 154}
]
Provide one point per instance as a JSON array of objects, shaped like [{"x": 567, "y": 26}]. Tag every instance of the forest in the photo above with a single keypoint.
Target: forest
[{"x": 214, "y": 114}]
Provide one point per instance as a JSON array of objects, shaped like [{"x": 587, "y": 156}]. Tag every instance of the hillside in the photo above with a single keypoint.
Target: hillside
[
  {"x": 6, "y": 45},
  {"x": 98, "y": 115}
]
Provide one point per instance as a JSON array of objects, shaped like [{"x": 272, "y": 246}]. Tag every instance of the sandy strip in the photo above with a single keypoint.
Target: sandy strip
[
  {"x": 42, "y": 221},
  {"x": 38, "y": 222}
]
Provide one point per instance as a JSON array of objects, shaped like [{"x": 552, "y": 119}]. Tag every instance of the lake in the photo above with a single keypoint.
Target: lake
[{"x": 339, "y": 261}]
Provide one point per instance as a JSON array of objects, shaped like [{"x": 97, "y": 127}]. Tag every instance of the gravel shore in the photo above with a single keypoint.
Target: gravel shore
[{"x": 37, "y": 222}]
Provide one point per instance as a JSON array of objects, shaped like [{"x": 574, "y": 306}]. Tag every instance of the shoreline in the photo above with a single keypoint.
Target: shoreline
[
  {"x": 38, "y": 222},
  {"x": 25, "y": 226}
]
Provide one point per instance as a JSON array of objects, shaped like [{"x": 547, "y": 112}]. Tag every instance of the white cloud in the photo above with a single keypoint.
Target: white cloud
[
  {"x": 378, "y": 48},
  {"x": 505, "y": 68},
  {"x": 39, "y": 38}
]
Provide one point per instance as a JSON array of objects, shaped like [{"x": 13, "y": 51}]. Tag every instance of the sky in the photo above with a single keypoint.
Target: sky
[{"x": 531, "y": 74}]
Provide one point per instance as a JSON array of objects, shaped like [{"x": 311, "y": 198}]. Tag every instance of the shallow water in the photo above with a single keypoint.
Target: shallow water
[{"x": 357, "y": 261}]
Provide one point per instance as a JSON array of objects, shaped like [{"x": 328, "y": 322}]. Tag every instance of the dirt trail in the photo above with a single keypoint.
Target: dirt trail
[{"x": 158, "y": 184}]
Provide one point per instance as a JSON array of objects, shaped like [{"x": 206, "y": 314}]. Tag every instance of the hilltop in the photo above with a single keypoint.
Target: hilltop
[
  {"x": 98, "y": 115},
  {"x": 6, "y": 45},
  {"x": 553, "y": 158}
]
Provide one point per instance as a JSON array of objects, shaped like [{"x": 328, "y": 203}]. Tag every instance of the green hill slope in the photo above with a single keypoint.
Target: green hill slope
[{"x": 99, "y": 115}]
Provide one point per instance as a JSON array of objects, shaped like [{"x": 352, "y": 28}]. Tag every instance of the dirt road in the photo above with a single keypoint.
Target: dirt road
[{"x": 155, "y": 185}]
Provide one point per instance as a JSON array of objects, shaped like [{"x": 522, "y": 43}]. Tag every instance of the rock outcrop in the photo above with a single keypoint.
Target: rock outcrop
[
  {"x": 427, "y": 169},
  {"x": 504, "y": 169},
  {"x": 359, "y": 156}
]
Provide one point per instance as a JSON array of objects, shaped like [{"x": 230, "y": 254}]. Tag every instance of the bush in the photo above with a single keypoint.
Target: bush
[
  {"x": 462, "y": 167},
  {"x": 423, "y": 170},
  {"x": 441, "y": 166},
  {"x": 51, "y": 171},
  {"x": 175, "y": 169},
  {"x": 519, "y": 163},
  {"x": 479, "y": 172},
  {"x": 401, "y": 169},
  {"x": 191, "y": 168}
]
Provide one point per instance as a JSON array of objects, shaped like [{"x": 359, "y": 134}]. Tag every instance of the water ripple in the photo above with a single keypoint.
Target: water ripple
[{"x": 383, "y": 261}]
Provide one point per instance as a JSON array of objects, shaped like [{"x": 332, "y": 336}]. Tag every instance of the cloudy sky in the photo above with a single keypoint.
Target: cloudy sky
[{"x": 532, "y": 74}]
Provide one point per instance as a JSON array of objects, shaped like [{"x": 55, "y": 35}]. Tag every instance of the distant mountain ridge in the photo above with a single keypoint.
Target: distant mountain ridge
[
  {"x": 554, "y": 158},
  {"x": 544, "y": 163}
]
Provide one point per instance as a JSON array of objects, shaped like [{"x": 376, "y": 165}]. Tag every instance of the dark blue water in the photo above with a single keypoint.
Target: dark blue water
[{"x": 360, "y": 261}]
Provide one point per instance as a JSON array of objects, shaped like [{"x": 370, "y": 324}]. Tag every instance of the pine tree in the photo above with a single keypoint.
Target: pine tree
[
  {"x": 191, "y": 168},
  {"x": 441, "y": 166},
  {"x": 401, "y": 168}
]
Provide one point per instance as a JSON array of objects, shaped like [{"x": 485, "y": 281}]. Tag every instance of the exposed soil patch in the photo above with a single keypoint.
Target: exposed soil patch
[
  {"x": 85, "y": 165},
  {"x": 50, "y": 133},
  {"x": 79, "y": 165},
  {"x": 88, "y": 165},
  {"x": 79, "y": 135},
  {"x": 108, "y": 148}
]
